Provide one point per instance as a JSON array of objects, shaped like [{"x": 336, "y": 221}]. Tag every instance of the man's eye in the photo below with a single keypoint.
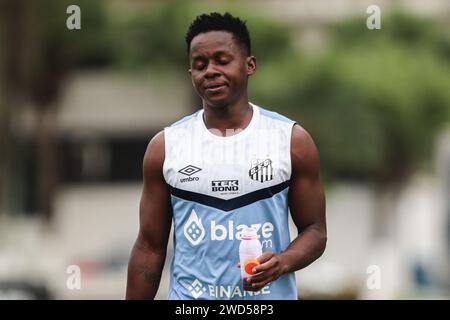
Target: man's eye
[
  {"x": 223, "y": 62},
  {"x": 199, "y": 66}
]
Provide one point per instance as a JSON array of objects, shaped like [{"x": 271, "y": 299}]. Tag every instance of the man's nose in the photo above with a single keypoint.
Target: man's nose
[{"x": 211, "y": 71}]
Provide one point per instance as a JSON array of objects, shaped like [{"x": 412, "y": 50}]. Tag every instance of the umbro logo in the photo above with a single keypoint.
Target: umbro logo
[{"x": 189, "y": 170}]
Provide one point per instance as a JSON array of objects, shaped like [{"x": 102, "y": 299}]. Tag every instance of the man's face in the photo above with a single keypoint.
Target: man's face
[{"x": 219, "y": 68}]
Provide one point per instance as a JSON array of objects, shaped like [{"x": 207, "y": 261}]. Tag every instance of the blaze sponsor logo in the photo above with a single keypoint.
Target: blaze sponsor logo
[
  {"x": 195, "y": 232},
  {"x": 193, "y": 229}
]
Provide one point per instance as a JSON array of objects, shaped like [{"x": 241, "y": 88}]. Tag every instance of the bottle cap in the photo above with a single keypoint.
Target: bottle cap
[
  {"x": 249, "y": 265},
  {"x": 249, "y": 234}
]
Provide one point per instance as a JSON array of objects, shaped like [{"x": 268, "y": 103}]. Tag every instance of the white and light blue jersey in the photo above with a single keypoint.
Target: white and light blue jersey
[{"x": 220, "y": 185}]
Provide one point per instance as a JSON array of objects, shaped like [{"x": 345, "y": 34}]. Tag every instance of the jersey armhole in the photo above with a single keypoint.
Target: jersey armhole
[
  {"x": 164, "y": 170},
  {"x": 292, "y": 125}
]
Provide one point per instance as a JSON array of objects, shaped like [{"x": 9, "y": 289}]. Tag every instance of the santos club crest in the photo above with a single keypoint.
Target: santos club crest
[{"x": 261, "y": 170}]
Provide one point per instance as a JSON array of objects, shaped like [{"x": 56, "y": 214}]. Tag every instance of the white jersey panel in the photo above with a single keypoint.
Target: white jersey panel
[{"x": 228, "y": 167}]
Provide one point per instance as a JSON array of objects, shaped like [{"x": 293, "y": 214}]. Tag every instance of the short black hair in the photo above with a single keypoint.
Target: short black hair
[{"x": 218, "y": 22}]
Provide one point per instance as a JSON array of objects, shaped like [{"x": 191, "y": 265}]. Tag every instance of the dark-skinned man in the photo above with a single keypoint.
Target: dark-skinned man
[{"x": 229, "y": 166}]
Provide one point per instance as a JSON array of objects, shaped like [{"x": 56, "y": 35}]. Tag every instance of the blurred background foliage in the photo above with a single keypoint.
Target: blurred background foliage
[
  {"x": 374, "y": 101},
  {"x": 391, "y": 88},
  {"x": 394, "y": 102}
]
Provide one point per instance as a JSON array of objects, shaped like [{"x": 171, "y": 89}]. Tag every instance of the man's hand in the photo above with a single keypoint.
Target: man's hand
[{"x": 270, "y": 269}]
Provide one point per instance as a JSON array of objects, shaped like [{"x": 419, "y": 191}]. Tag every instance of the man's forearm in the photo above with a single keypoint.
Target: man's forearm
[
  {"x": 144, "y": 273},
  {"x": 304, "y": 249}
]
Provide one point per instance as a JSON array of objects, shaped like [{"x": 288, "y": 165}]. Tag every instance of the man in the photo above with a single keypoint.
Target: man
[{"x": 229, "y": 166}]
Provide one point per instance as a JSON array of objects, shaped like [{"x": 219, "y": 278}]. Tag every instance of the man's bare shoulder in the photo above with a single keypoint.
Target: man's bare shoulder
[
  {"x": 304, "y": 153},
  {"x": 155, "y": 153}
]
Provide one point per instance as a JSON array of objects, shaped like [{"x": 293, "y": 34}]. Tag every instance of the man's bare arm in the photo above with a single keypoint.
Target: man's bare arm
[
  {"x": 307, "y": 206},
  {"x": 306, "y": 203},
  {"x": 155, "y": 218}
]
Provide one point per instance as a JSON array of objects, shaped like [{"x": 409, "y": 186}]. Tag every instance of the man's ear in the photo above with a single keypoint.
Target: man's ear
[{"x": 251, "y": 65}]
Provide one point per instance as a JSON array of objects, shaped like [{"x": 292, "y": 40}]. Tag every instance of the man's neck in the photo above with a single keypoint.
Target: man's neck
[{"x": 228, "y": 120}]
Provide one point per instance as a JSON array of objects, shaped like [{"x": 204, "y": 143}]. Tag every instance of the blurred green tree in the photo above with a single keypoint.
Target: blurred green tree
[{"x": 374, "y": 101}]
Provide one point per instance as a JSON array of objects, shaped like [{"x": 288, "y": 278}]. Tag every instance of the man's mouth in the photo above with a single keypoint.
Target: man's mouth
[{"x": 214, "y": 87}]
